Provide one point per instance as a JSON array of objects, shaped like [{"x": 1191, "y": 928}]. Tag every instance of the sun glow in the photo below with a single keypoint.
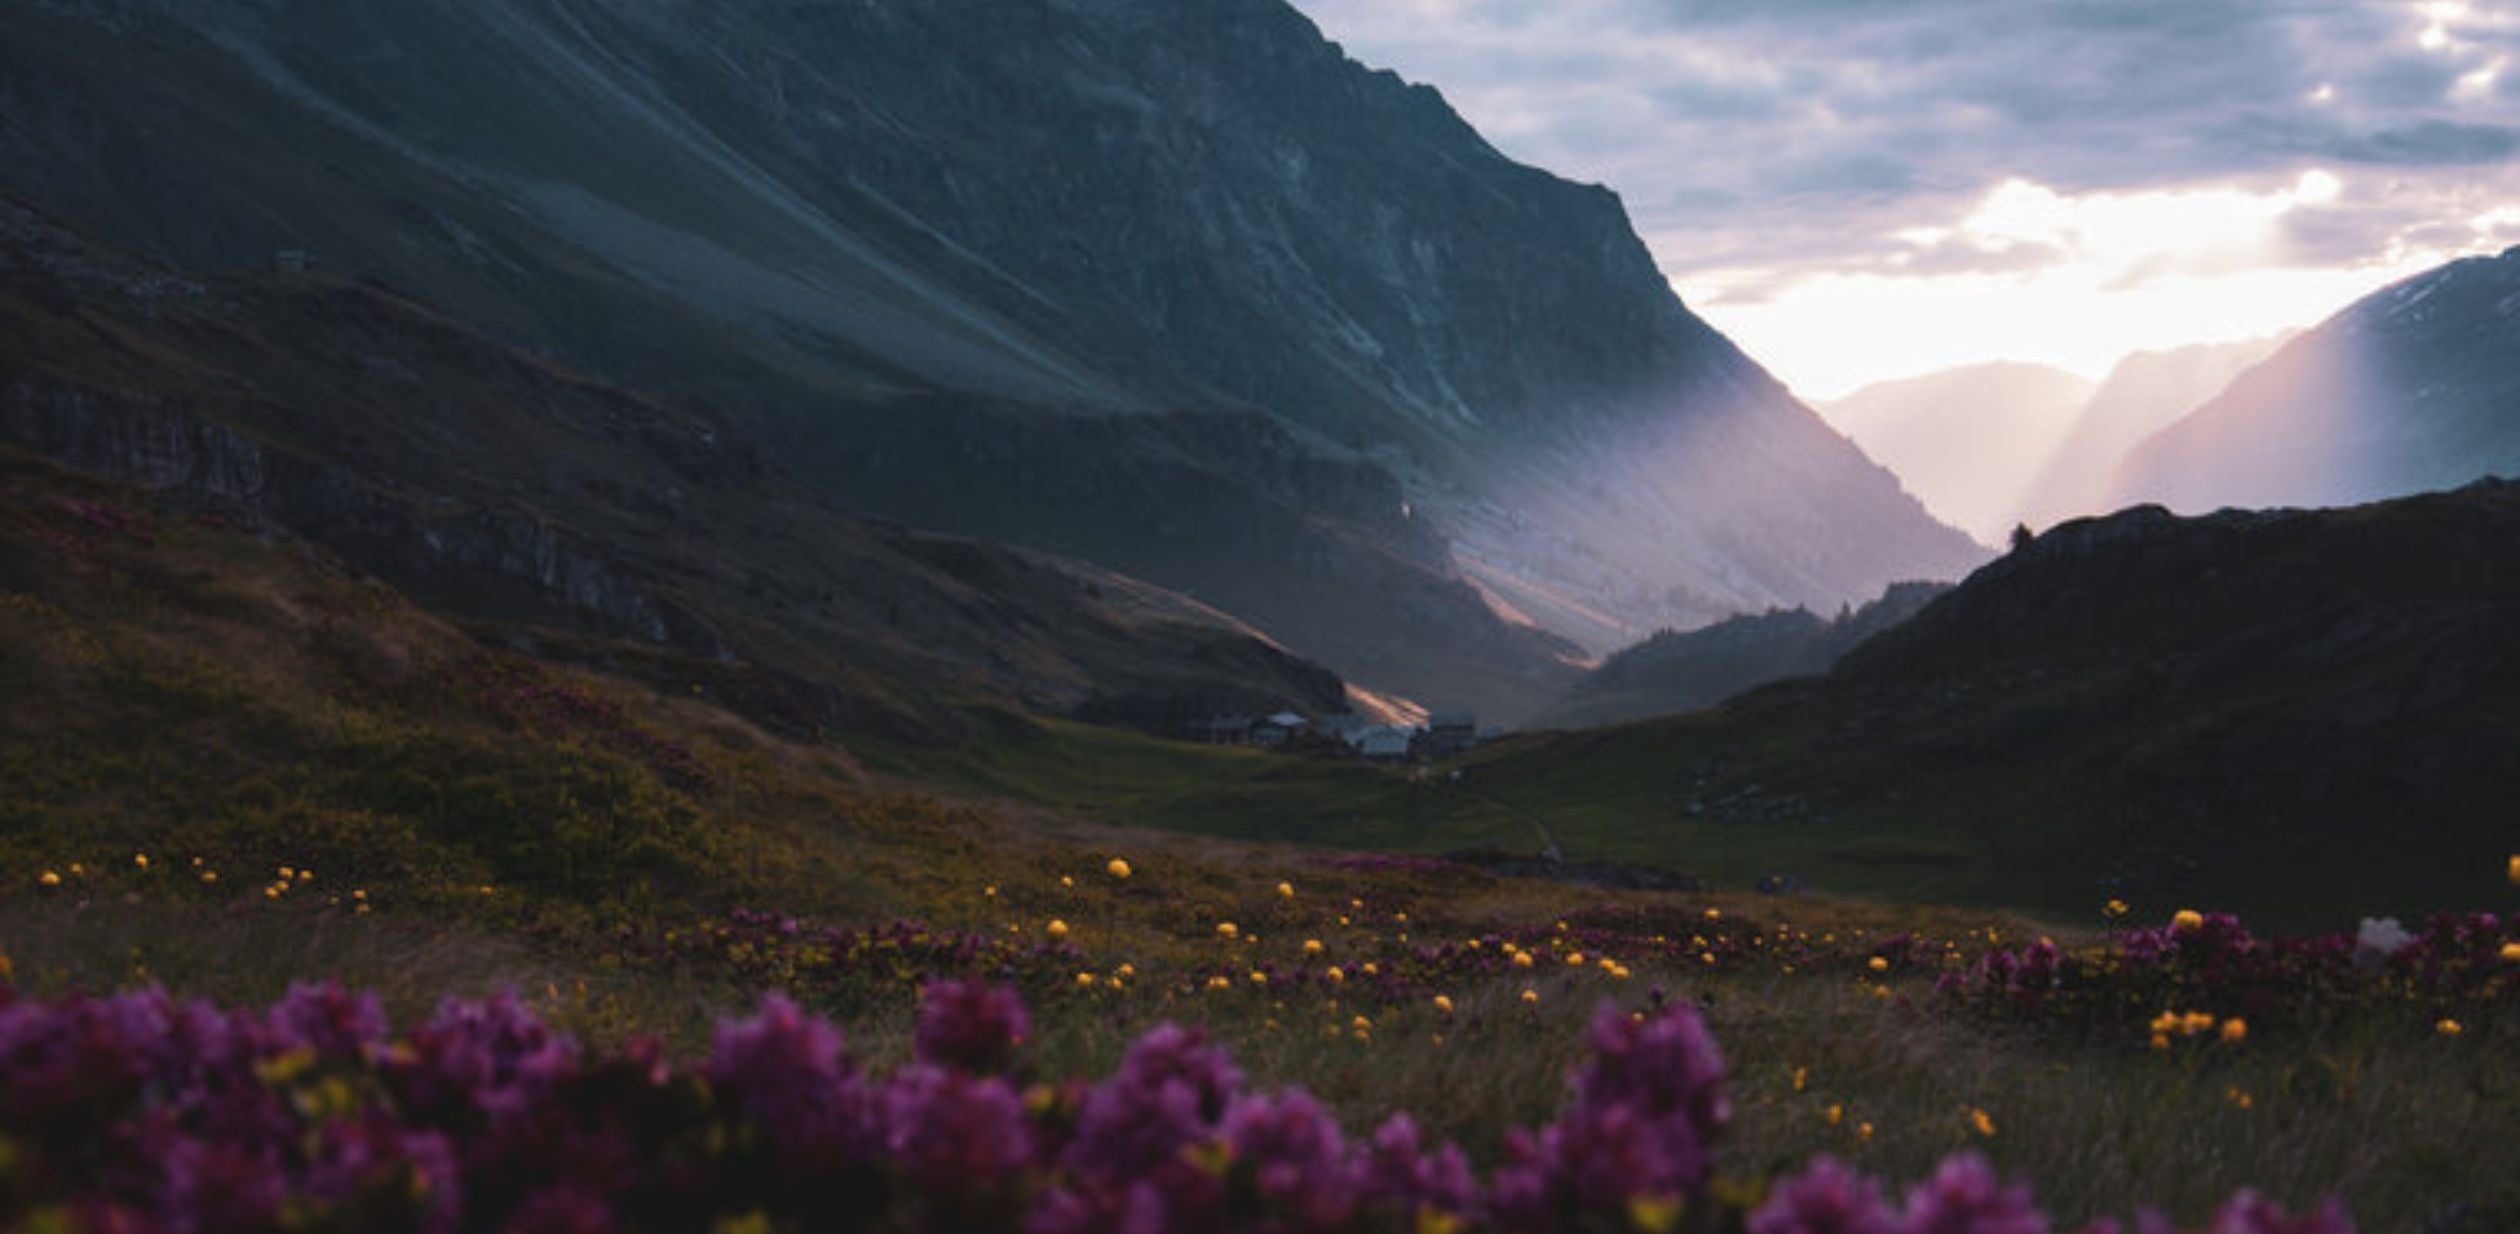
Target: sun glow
[{"x": 2032, "y": 273}]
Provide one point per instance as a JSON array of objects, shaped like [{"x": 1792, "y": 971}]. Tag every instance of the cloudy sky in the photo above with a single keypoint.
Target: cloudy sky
[{"x": 1864, "y": 189}]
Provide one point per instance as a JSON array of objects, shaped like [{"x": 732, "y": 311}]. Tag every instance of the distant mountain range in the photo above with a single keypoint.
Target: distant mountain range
[
  {"x": 2143, "y": 393},
  {"x": 2413, "y": 388},
  {"x": 1178, "y": 289},
  {"x": 2308, "y": 715},
  {"x": 1996, "y": 446},
  {"x": 1677, "y": 671}
]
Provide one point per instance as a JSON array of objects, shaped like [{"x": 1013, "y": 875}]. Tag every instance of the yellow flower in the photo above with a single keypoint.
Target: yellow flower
[
  {"x": 1126, "y": 970},
  {"x": 2114, "y": 908},
  {"x": 1444, "y": 1004},
  {"x": 1654, "y": 1214},
  {"x": 990, "y": 891},
  {"x": 1522, "y": 959},
  {"x": 2513, "y": 869},
  {"x": 2448, "y": 1028},
  {"x": 1863, "y": 1132},
  {"x": 1085, "y": 980},
  {"x": 2187, "y": 921},
  {"x": 1574, "y": 959},
  {"x": 2511, "y": 953},
  {"x": 287, "y": 873},
  {"x": 1835, "y": 1114},
  {"x": 1057, "y": 929},
  {"x": 487, "y": 890},
  {"x": 1619, "y": 972},
  {"x": 1878, "y": 964},
  {"x": 1286, "y": 891},
  {"x": 1259, "y": 978},
  {"x": 1219, "y": 983},
  {"x": 141, "y": 860},
  {"x": 1333, "y": 975},
  {"x": 2235, "y": 1030},
  {"x": 2195, "y": 1022},
  {"x": 1119, "y": 869},
  {"x": 1402, "y": 918},
  {"x": 2238, "y": 1098},
  {"x": 1360, "y": 1022},
  {"x": 209, "y": 876},
  {"x": 1066, "y": 881},
  {"x": 1372, "y": 969},
  {"x": 1984, "y": 1125},
  {"x": 1227, "y": 929},
  {"x": 49, "y": 879},
  {"x": 1714, "y": 914},
  {"x": 1312, "y": 946},
  {"x": 1531, "y": 996},
  {"x": 1802, "y": 1076}
]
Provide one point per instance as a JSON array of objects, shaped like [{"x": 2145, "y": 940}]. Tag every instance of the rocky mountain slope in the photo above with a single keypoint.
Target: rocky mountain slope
[
  {"x": 894, "y": 240},
  {"x": 2142, "y": 394},
  {"x": 1677, "y": 671},
  {"x": 1969, "y": 442},
  {"x": 2163, "y": 709},
  {"x": 570, "y": 516},
  {"x": 2410, "y": 389}
]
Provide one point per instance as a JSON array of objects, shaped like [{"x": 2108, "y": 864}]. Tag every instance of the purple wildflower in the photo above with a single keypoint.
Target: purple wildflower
[
  {"x": 971, "y": 1026},
  {"x": 1965, "y": 1197},
  {"x": 1828, "y": 1198}
]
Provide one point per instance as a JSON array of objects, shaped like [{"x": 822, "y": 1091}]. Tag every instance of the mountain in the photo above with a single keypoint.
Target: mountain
[
  {"x": 2303, "y": 715},
  {"x": 2407, "y": 390},
  {"x": 2143, "y": 393},
  {"x": 1677, "y": 671},
  {"x": 1969, "y": 442},
  {"x": 951, "y": 263},
  {"x": 554, "y": 512}
]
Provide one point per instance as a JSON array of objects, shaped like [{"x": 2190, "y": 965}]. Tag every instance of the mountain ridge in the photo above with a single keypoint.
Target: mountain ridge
[{"x": 828, "y": 220}]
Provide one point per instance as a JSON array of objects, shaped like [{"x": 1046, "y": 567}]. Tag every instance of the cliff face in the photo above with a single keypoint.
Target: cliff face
[{"x": 840, "y": 221}]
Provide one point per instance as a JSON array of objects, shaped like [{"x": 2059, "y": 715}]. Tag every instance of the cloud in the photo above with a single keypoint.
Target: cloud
[{"x": 1765, "y": 146}]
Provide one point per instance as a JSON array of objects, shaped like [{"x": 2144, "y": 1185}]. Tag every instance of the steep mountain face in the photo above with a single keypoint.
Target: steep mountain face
[
  {"x": 1677, "y": 671},
  {"x": 2142, "y": 705},
  {"x": 2408, "y": 390},
  {"x": 1968, "y": 442},
  {"x": 887, "y": 235},
  {"x": 2143, "y": 394},
  {"x": 569, "y": 515}
]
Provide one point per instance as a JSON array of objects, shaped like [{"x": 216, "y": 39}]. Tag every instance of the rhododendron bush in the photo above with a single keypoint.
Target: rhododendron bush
[{"x": 141, "y": 1113}]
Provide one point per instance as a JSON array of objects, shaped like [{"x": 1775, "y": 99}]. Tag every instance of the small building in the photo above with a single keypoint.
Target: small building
[
  {"x": 1449, "y": 735},
  {"x": 1276, "y": 730},
  {"x": 1383, "y": 743}
]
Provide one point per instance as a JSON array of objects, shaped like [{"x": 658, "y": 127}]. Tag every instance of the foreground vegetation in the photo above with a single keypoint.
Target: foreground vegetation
[{"x": 231, "y": 767}]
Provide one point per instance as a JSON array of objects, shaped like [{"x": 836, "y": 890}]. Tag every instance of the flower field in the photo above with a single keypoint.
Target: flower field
[
  {"x": 139, "y": 1113},
  {"x": 1071, "y": 1053},
  {"x": 574, "y": 893}
]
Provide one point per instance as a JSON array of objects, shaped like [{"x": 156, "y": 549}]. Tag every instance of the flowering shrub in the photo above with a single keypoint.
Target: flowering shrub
[
  {"x": 140, "y": 1113},
  {"x": 2210, "y": 961}
]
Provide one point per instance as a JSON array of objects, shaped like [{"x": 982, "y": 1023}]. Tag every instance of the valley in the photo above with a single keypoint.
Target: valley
[{"x": 1082, "y": 615}]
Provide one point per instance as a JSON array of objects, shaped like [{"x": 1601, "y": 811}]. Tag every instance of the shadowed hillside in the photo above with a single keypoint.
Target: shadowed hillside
[{"x": 2307, "y": 715}]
